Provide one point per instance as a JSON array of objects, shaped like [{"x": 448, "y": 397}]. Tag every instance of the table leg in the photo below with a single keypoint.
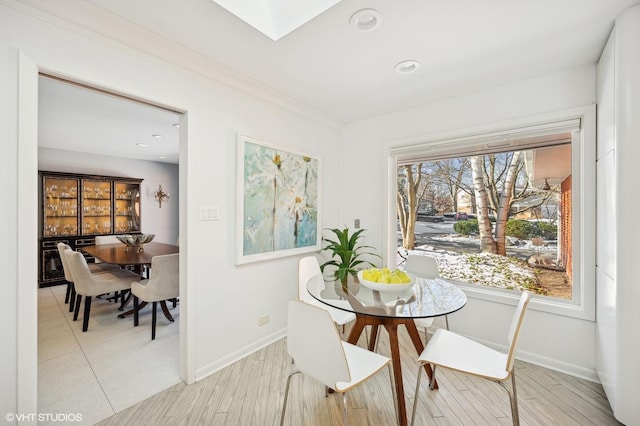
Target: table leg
[
  {"x": 374, "y": 337},
  {"x": 135, "y": 311},
  {"x": 410, "y": 325},
  {"x": 356, "y": 331},
  {"x": 391, "y": 325},
  {"x": 130, "y": 312},
  {"x": 392, "y": 329},
  {"x": 163, "y": 305},
  {"x": 165, "y": 310},
  {"x": 125, "y": 300}
]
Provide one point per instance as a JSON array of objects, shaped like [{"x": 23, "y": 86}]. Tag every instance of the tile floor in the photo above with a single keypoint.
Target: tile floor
[{"x": 107, "y": 369}]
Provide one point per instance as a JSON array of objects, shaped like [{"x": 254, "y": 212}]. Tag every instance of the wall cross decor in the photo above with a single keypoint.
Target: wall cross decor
[{"x": 161, "y": 196}]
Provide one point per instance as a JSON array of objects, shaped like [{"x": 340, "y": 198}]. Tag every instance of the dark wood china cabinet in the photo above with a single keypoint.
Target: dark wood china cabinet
[{"x": 75, "y": 208}]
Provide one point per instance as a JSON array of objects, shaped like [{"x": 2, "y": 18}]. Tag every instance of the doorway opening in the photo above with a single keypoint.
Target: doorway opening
[{"x": 87, "y": 130}]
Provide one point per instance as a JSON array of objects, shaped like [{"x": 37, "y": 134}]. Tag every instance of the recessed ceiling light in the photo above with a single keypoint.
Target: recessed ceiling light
[
  {"x": 407, "y": 67},
  {"x": 143, "y": 145},
  {"x": 176, "y": 125},
  {"x": 161, "y": 157},
  {"x": 157, "y": 136},
  {"x": 366, "y": 20}
]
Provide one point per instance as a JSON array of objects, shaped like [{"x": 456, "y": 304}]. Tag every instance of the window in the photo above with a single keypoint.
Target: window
[{"x": 503, "y": 209}]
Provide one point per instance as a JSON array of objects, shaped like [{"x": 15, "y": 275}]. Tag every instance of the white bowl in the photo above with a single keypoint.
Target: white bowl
[{"x": 385, "y": 287}]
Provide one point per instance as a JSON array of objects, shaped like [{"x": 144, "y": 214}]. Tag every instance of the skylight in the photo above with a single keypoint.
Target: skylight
[{"x": 276, "y": 18}]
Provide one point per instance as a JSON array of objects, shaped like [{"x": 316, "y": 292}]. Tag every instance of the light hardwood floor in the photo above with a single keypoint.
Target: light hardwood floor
[{"x": 250, "y": 392}]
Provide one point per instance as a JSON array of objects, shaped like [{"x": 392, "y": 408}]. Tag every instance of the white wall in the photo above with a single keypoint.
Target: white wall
[
  {"x": 221, "y": 302},
  {"x": 606, "y": 337},
  {"x": 556, "y": 341},
  {"x": 618, "y": 328},
  {"x": 163, "y": 222}
]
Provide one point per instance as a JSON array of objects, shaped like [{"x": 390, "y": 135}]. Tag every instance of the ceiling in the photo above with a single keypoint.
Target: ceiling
[
  {"x": 462, "y": 46},
  {"x": 75, "y": 118}
]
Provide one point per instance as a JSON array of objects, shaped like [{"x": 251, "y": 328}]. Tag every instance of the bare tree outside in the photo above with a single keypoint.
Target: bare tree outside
[
  {"x": 492, "y": 195},
  {"x": 487, "y": 243},
  {"x": 452, "y": 175},
  {"x": 505, "y": 184},
  {"x": 409, "y": 180}
]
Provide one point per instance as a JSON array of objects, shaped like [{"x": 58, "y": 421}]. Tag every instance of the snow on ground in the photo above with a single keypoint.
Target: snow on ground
[{"x": 478, "y": 268}]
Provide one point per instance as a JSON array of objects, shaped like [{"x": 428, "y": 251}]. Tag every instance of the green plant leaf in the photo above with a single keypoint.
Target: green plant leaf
[{"x": 346, "y": 252}]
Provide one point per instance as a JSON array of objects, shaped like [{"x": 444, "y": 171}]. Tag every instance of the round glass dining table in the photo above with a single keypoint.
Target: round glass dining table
[{"x": 429, "y": 297}]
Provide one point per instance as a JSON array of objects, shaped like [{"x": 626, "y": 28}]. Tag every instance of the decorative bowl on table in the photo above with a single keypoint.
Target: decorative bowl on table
[
  {"x": 385, "y": 287},
  {"x": 135, "y": 241}
]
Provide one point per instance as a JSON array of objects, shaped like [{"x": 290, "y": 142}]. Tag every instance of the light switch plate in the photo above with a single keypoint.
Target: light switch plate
[{"x": 209, "y": 213}]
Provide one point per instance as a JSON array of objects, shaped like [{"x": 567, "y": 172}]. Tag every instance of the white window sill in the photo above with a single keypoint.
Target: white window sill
[{"x": 548, "y": 304}]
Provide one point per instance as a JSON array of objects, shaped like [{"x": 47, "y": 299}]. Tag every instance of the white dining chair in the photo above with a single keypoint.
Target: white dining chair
[
  {"x": 70, "y": 296},
  {"x": 425, "y": 267},
  {"x": 308, "y": 269},
  {"x": 163, "y": 284},
  {"x": 317, "y": 350},
  {"x": 450, "y": 350},
  {"x": 88, "y": 285}
]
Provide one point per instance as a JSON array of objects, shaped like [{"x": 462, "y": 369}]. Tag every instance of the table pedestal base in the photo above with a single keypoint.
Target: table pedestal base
[
  {"x": 163, "y": 305},
  {"x": 391, "y": 325}
]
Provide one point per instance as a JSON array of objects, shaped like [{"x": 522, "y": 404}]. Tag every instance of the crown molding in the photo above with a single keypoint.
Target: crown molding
[{"x": 88, "y": 20}]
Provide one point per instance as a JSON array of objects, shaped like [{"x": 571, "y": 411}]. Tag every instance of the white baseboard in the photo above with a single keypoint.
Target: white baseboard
[
  {"x": 560, "y": 366},
  {"x": 550, "y": 363},
  {"x": 221, "y": 363}
]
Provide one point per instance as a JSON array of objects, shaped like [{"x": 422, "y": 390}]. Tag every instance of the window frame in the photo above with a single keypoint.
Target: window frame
[{"x": 583, "y": 169}]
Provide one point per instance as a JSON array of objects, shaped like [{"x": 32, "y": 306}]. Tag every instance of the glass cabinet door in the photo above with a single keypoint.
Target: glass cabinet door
[
  {"x": 60, "y": 206},
  {"x": 96, "y": 207},
  {"x": 127, "y": 207}
]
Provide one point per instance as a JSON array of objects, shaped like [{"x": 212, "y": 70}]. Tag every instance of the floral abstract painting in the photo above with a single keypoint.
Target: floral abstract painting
[{"x": 278, "y": 201}]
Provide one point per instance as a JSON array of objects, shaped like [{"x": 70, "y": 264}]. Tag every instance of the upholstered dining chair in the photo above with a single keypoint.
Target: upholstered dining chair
[
  {"x": 450, "y": 350},
  {"x": 163, "y": 284},
  {"x": 88, "y": 284},
  {"x": 317, "y": 350},
  {"x": 308, "y": 269},
  {"x": 425, "y": 267},
  {"x": 70, "y": 296}
]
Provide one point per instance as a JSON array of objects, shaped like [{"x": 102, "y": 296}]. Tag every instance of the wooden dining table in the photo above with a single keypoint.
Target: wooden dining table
[
  {"x": 124, "y": 256},
  {"x": 121, "y": 255},
  {"x": 427, "y": 298}
]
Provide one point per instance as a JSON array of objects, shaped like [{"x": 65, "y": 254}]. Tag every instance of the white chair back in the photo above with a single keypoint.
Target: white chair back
[
  {"x": 422, "y": 266},
  {"x": 79, "y": 271},
  {"x": 62, "y": 247},
  {"x": 106, "y": 239},
  {"x": 308, "y": 268},
  {"x": 514, "y": 330},
  {"x": 314, "y": 344},
  {"x": 164, "y": 279}
]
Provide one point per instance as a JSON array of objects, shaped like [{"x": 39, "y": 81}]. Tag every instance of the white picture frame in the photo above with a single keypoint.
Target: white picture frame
[{"x": 278, "y": 201}]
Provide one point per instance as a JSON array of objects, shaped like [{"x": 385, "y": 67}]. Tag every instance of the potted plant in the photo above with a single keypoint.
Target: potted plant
[{"x": 346, "y": 254}]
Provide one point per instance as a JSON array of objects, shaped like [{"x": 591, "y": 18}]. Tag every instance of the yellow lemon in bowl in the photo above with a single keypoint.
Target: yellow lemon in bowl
[{"x": 386, "y": 279}]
